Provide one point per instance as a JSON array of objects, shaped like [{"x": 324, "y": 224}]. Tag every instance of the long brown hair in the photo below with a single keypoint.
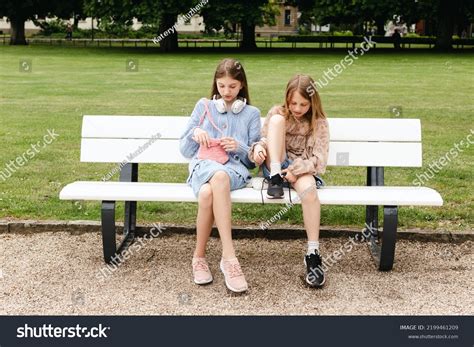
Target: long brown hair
[
  {"x": 232, "y": 68},
  {"x": 304, "y": 85}
]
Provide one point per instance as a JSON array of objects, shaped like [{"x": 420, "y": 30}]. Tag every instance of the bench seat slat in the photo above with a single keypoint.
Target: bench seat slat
[
  {"x": 179, "y": 192},
  {"x": 167, "y": 151}
]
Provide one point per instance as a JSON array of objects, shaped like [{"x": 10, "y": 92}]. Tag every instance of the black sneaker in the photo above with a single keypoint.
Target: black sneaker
[
  {"x": 314, "y": 271},
  {"x": 275, "y": 187}
]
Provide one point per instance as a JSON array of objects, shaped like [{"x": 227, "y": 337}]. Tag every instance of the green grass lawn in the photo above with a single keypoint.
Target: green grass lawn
[{"x": 66, "y": 83}]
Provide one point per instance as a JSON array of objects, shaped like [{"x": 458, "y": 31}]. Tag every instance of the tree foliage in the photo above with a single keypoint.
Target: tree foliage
[{"x": 247, "y": 14}]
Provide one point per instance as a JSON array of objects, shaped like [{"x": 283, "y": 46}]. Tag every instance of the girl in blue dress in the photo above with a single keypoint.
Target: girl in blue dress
[{"x": 217, "y": 139}]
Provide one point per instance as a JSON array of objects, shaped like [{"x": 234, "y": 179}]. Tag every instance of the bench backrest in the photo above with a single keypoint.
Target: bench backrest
[{"x": 155, "y": 139}]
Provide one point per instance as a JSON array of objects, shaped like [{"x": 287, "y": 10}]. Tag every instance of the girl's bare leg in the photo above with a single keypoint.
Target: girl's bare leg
[
  {"x": 222, "y": 209},
  {"x": 306, "y": 188},
  {"x": 204, "y": 220},
  {"x": 275, "y": 140}
]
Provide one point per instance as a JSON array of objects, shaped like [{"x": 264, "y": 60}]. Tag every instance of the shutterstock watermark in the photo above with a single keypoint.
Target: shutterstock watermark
[
  {"x": 339, "y": 68},
  {"x": 26, "y": 65},
  {"x": 78, "y": 297},
  {"x": 131, "y": 65},
  {"x": 15, "y": 164},
  {"x": 130, "y": 157},
  {"x": 136, "y": 246},
  {"x": 184, "y": 298},
  {"x": 337, "y": 255},
  {"x": 437, "y": 165},
  {"x": 395, "y": 111},
  {"x": 49, "y": 331},
  {"x": 187, "y": 16}
]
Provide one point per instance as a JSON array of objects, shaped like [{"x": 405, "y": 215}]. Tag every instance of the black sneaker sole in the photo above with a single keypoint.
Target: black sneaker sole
[
  {"x": 275, "y": 197},
  {"x": 313, "y": 285}
]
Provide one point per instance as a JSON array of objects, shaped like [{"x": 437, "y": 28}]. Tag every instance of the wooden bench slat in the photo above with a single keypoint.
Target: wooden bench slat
[
  {"x": 381, "y": 154},
  {"x": 167, "y": 151},
  {"x": 180, "y": 192},
  {"x": 169, "y": 127},
  {"x": 118, "y": 150},
  {"x": 375, "y": 129},
  {"x": 133, "y": 127}
]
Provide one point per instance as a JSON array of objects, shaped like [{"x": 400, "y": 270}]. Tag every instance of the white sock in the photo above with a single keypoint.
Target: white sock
[
  {"x": 312, "y": 246},
  {"x": 275, "y": 168}
]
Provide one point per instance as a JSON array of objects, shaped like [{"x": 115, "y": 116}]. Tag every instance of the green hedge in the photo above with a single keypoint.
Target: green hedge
[{"x": 357, "y": 39}]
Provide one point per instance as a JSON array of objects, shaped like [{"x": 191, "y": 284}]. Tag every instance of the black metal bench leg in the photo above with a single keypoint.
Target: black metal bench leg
[
  {"x": 371, "y": 232},
  {"x": 130, "y": 217},
  {"x": 372, "y": 220},
  {"x": 108, "y": 230},
  {"x": 389, "y": 238},
  {"x": 375, "y": 177},
  {"x": 129, "y": 173},
  {"x": 383, "y": 253},
  {"x": 129, "y": 226}
]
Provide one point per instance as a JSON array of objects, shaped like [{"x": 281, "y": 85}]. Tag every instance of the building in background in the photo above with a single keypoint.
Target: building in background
[{"x": 286, "y": 23}]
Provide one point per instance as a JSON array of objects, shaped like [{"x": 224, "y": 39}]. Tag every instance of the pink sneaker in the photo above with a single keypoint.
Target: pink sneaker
[
  {"x": 234, "y": 277},
  {"x": 201, "y": 272}
]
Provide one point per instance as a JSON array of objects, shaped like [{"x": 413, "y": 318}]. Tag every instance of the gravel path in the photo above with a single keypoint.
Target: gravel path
[{"x": 58, "y": 273}]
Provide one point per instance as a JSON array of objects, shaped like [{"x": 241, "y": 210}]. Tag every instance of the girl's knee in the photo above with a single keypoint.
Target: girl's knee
[
  {"x": 220, "y": 180},
  {"x": 205, "y": 195},
  {"x": 309, "y": 195},
  {"x": 307, "y": 189},
  {"x": 277, "y": 119}
]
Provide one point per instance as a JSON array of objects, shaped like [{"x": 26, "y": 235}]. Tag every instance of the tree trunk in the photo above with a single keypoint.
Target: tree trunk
[
  {"x": 358, "y": 28},
  {"x": 248, "y": 37},
  {"x": 168, "y": 33},
  {"x": 17, "y": 34},
  {"x": 75, "y": 24},
  {"x": 429, "y": 28},
  {"x": 446, "y": 17},
  {"x": 380, "y": 23}
]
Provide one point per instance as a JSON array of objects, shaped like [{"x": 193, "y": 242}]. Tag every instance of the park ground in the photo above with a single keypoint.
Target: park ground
[
  {"x": 56, "y": 273},
  {"x": 46, "y": 87}
]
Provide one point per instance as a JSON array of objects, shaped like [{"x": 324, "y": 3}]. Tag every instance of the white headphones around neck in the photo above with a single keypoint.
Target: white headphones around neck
[{"x": 237, "y": 106}]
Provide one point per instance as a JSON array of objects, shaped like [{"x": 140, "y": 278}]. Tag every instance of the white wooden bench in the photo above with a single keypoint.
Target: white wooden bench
[{"x": 133, "y": 140}]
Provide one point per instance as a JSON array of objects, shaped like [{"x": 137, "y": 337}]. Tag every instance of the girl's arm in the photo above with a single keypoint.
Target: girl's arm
[
  {"x": 316, "y": 164},
  {"x": 254, "y": 130},
  {"x": 187, "y": 146}
]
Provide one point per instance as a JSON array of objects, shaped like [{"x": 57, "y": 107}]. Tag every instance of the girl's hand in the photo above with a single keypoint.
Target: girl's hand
[
  {"x": 259, "y": 154},
  {"x": 201, "y": 137},
  {"x": 289, "y": 176},
  {"x": 229, "y": 144}
]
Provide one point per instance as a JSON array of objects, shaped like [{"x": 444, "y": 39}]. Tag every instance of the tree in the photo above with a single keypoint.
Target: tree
[
  {"x": 357, "y": 12},
  {"x": 159, "y": 13},
  {"x": 450, "y": 13},
  {"x": 18, "y": 12},
  {"x": 71, "y": 9},
  {"x": 306, "y": 8},
  {"x": 222, "y": 14},
  {"x": 442, "y": 15},
  {"x": 341, "y": 12}
]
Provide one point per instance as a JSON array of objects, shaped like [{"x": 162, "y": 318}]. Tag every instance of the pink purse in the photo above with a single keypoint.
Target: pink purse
[{"x": 214, "y": 151}]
